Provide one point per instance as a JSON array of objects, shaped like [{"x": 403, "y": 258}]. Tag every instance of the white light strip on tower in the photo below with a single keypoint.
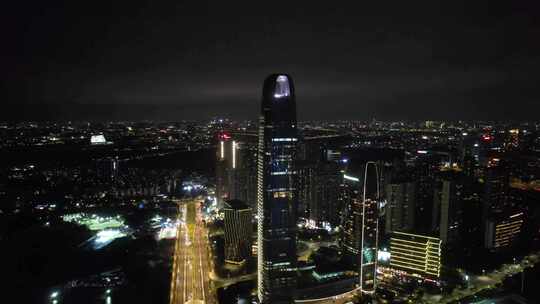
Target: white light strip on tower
[
  {"x": 352, "y": 178},
  {"x": 234, "y": 154},
  {"x": 517, "y": 214},
  {"x": 222, "y": 149},
  {"x": 285, "y": 139}
]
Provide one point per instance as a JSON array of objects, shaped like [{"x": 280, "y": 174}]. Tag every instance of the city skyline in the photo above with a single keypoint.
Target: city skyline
[
  {"x": 204, "y": 152},
  {"x": 445, "y": 191}
]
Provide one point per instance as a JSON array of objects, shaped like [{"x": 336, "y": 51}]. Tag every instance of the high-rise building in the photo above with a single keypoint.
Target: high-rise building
[
  {"x": 497, "y": 204},
  {"x": 502, "y": 231},
  {"x": 496, "y": 188},
  {"x": 223, "y": 163},
  {"x": 235, "y": 168},
  {"x": 360, "y": 229},
  {"x": 277, "y": 192},
  {"x": 237, "y": 220},
  {"x": 370, "y": 229},
  {"x": 427, "y": 165},
  {"x": 244, "y": 175},
  {"x": 447, "y": 207},
  {"x": 401, "y": 207},
  {"x": 318, "y": 192},
  {"x": 306, "y": 171},
  {"x": 324, "y": 208},
  {"x": 352, "y": 224},
  {"x": 235, "y": 176},
  {"x": 416, "y": 255}
]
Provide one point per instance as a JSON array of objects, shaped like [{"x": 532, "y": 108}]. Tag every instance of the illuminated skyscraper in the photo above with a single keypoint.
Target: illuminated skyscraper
[
  {"x": 502, "y": 231},
  {"x": 277, "y": 192},
  {"x": 223, "y": 164},
  {"x": 237, "y": 220},
  {"x": 416, "y": 255},
  {"x": 370, "y": 229},
  {"x": 360, "y": 231}
]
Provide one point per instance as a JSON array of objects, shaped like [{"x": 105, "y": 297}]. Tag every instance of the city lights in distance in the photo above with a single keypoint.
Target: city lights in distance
[
  {"x": 94, "y": 221},
  {"x": 98, "y": 140},
  {"x": 351, "y": 178},
  {"x": 107, "y": 236},
  {"x": 224, "y": 136},
  {"x": 487, "y": 137}
]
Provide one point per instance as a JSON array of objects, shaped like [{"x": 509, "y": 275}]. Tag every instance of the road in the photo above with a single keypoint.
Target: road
[
  {"x": 347, "y": 297},
  {"x": 486, "y": 281},
  {"x": 191, "y": 264},
  {"x": 192, "y": 270}
]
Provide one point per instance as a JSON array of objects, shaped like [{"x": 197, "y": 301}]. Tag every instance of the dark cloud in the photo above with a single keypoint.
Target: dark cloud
[{"x": 394, "y": 59}]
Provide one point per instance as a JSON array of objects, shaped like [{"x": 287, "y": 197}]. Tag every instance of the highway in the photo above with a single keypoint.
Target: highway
[
  {"x": 192, "y": 270},
  {"x": 190, "y": 281}
]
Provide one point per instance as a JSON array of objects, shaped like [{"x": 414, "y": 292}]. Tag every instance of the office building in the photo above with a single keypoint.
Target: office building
[
  {"x": 427, "y": 165},
  {"x": 244, "y": 183},
  {"x": 360, "y": 229},
  {"x": 318, "y": 193},
  {"x": 277, "y": 192},
  {"x": 416, "y": 255},
  {"x": 237, "y": 220},
  {"x": 236, "y": 168},
  {"x": 447, "y": 207},
  {"x": 496, "y": 188},
  {"x": 223, "y": 165},
  {"x": 401, "y": 207},
  {"x": 325, "y": 208},
  {"x": 306, "y": 172},
  {"x": 502, "y": 231}
]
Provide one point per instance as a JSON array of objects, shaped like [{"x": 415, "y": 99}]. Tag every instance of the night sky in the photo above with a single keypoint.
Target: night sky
[{"x": 171, "y": 60}]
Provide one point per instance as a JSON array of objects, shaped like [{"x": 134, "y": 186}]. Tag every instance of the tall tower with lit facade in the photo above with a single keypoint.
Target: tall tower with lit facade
[
  {"x": 360, "y": 230},
  {"x": 224, "y": 158},
  {"x": 277, "y": 191}
]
